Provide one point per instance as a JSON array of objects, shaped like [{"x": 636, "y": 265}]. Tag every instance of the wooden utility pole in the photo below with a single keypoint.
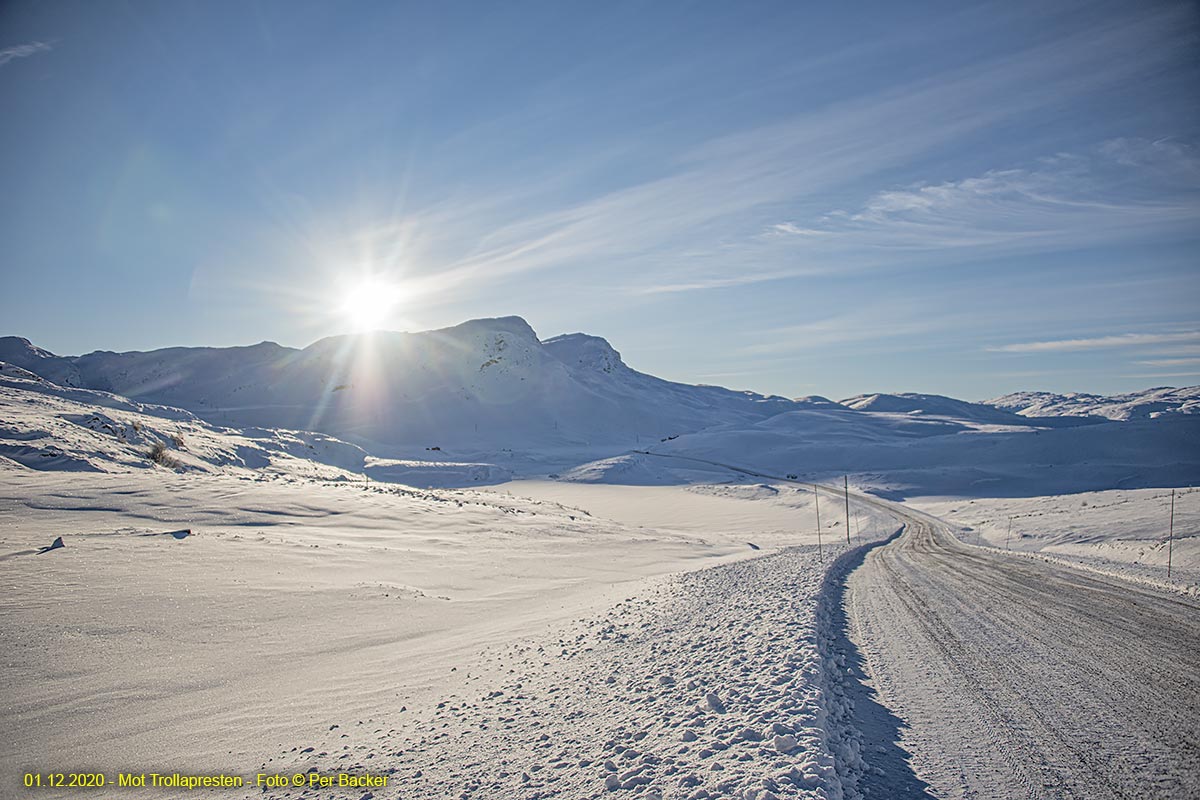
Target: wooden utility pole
[
  {"x": 1171, "y": 535},
  {"x": 846, "y": 487},
  {"x": 817, "y": 504}
]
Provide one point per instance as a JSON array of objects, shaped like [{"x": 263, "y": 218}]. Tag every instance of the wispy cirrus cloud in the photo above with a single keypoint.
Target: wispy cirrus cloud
[
  {"x": 1099, "y": 342},
  {"x": 1122, "y": 188},
  {"x": 710, "y": 283},
  {"x": 790, "y": 229},
  {"x": 1171, "y": 362},
  {"x": 23, "y": 51},
  {"x": 700, "y": 219}
]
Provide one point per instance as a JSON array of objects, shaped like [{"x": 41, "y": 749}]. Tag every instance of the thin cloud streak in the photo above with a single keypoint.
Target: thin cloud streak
[
  {"x": 1098, "y": 342},
  {"x": 1172, "y": 362},
  {"x": 711, "y": 283},
  {"x": 22, "y": 51}
]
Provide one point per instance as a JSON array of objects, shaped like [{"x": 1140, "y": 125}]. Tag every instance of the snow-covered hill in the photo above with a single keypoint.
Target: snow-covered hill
[
  {"x": 482, "y": 385},
  {"x": 902, "y": 456},
  {"x": 44, "y": 426},
  {"x": 939, "y": 406},
  {"x": 1135, "y": 405}
]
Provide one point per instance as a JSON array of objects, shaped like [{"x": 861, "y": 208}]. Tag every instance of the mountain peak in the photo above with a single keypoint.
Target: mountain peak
[
  {"x": 511, "y": 324},
  {"x": 21, "y": 347},
  {"x": 583, "y": 350}
]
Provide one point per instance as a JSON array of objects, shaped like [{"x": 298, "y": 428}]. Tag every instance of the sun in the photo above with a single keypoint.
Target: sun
[{"x": 367, "y": 304}]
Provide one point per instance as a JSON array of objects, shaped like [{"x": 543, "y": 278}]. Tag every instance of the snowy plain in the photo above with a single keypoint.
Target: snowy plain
[
  {"x": 291, "y": 605},
  {"x": 640, "y": 608}
]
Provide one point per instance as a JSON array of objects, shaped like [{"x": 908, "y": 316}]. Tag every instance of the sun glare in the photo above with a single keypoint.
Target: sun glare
[{"x": 367, "y": 305}]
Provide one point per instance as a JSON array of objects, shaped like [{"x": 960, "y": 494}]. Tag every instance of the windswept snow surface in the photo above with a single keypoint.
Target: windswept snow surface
[
  {"x": 196, "y": 622},
  {"x": 712, "y": 684}
]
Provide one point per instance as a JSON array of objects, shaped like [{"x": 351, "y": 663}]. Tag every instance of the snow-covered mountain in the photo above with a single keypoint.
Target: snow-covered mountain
[
  {"x": 1135, "y": 405},
  {"x": 487, "y": 383},
  {"x": 486, "y": 399}
]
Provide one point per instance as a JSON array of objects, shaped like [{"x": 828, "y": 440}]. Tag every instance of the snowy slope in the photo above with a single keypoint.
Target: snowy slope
[
  {"x": 44, "y": 426},
  {"x": 484, "y": 384},
  {"x": 1135, "y": 405}
]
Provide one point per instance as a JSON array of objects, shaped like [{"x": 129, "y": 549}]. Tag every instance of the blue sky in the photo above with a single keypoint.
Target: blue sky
[{"x": 790, "y": 197}]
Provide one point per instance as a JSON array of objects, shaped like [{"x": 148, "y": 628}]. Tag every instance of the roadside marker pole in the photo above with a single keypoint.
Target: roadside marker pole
[
  {"x": 846, "y": 487},
  {"x": 1008, "y": 538},
  {"x": 1171, "y": 535},
  {"x": 817, "y": 503}
]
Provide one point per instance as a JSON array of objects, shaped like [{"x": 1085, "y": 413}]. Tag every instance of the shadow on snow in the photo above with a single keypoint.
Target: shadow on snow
[{"x": 887, "y": 773}]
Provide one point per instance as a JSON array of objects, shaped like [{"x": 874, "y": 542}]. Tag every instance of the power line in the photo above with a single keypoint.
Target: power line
[
  {"x": 846, "y": 486},
  {"x": 817, "y": 504},
  {"x": 1171, "y": 535}
]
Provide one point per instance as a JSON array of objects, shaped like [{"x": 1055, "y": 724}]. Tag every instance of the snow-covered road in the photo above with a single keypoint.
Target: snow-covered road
[{"x": 1019, "y": 678}]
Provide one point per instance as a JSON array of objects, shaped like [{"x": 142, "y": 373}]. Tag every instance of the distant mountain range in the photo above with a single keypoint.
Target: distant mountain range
[
  {"x": 1148, "y": 403},
  {"x": 484, "y": 384},
  {"x": 486, "y": 400},
  {"x": 492, "y": 383}
]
